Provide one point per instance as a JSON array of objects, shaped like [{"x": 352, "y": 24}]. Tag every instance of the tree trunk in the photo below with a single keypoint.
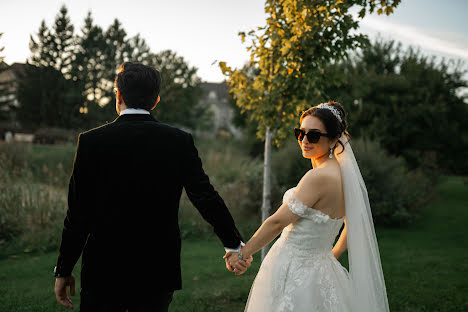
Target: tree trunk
[{"x": 266, "y": 204}]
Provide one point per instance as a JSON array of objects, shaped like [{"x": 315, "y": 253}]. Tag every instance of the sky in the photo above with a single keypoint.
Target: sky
[{"x": 206, "y": 31}]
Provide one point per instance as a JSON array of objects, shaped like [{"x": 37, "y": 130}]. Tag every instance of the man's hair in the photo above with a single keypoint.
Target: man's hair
[{"x": 138, "y": 84}]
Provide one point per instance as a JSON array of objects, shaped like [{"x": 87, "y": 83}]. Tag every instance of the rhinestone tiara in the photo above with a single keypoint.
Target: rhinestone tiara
[{"x": 331, "y": 109}]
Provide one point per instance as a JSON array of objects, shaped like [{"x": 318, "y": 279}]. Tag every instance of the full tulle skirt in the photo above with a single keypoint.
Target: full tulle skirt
[{"x": 298, "y": 279}]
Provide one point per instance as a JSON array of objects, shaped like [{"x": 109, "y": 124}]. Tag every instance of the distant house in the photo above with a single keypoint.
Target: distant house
[
  {"x": 9, "y": 77},
  {"x": 215, "y": 96}
]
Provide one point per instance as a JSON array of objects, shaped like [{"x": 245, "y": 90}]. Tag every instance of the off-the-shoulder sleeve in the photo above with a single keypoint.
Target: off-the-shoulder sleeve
[{"x": 297, "y": 207}]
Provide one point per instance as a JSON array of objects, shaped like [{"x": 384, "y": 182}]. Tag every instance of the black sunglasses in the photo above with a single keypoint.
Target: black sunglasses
[{"x": 313, "y": 136}]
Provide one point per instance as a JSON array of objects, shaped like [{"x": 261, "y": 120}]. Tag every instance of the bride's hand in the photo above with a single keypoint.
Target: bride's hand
[
  {"x": 245, "y": 263},
  {"x": 236, "y": 265}
]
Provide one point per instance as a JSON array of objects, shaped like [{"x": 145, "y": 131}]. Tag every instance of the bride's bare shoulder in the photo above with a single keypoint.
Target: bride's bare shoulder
[
  {"x": 313, "y": 186},
  {"x": 318, "y": 176},
  {"x": 316, "y": 180}
]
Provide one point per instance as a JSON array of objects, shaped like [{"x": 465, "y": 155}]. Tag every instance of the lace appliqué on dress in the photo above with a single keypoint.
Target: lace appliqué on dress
[
  {"x": 299, "y": 208},
  {"x": 295, "y": 275}
]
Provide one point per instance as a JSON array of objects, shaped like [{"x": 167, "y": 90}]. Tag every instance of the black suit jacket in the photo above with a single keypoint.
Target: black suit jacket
[{"x": 123, "y": 204}]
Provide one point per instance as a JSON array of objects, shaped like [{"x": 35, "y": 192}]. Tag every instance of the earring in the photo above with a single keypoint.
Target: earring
[{"x": 331, "y": 153}]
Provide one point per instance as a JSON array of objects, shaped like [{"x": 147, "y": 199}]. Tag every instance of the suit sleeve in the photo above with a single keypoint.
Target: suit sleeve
[
  {"x": 75, "y": 226},
  {"x": 207, "y": 201}
]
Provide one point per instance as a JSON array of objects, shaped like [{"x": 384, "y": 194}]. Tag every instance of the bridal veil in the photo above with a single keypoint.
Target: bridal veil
[{"x": 365, "y": 268}]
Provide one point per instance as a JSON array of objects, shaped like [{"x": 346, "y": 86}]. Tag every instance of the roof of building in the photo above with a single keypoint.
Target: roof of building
[
  {"x": 220, "y": 88},
  {"x": 18, "y": 69},
  {"x": 3, "y": 65}
]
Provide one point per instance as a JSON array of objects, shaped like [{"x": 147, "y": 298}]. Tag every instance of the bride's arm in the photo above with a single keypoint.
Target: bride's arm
[
  {"x": 342, "y": 243},
  {"x": 271, "y": 228}
]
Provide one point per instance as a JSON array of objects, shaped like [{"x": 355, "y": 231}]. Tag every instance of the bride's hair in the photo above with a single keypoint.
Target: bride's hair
[{"x": 333, "y": 126}]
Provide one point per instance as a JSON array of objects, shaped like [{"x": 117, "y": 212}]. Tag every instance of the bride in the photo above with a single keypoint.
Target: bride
[{"x": 301, "y": 271}]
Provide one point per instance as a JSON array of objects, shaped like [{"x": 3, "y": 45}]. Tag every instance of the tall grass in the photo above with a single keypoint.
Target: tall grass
[
  {"x": 34, "y": 181},
  {"x": 32, "y": 200},
  {"x": 236, "y": 177}
]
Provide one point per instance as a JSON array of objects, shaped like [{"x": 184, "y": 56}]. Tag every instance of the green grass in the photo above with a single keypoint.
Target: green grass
[
  {"x": 426, "y": 264},
  {"x": 425, "y": 267},
  {"x": 26, "y": 282}
]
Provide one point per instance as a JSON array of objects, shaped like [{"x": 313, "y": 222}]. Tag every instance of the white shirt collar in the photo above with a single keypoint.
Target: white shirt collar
[{"x": 134, "y": 111}]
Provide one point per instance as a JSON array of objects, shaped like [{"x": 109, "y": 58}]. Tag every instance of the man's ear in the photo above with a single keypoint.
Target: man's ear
[
  {"x": 118, "y": 96},
  {"x": 156, "y": 103}
]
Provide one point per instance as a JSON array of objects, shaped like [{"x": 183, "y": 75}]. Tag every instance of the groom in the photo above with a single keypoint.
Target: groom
[{"x": 123, "y": 203}]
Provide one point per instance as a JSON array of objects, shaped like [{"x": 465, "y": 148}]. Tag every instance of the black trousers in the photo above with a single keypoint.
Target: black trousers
[{"x": 156, "y": 302}]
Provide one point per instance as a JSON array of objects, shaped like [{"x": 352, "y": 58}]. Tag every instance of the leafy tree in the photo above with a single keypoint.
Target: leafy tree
[
  {"x": 300, "y": 37},
  {"x": 6, "y": 103},
  {"x": 63, "y": 44},
  {"x": 1, "y": 50},
  {"x": 54, "y": 47},
  {"x": 41, "y": 46},
  {"x": 88, "y": 69},
  {"x": 6, "y": 91},
  {"x": 117, "y": 48},
  {"x": 101, "y": 52},
  {"x": 180, "y": 92},
  {"x": 74, "y": 75},
  {"x": 47, "y": 97},
  {"x": 408, "y": 102}
]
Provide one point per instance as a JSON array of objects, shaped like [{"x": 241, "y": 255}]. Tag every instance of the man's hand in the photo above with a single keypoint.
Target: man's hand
[
  {"x": 236, "y": 265},
  {"x": 61, "y": 290}
]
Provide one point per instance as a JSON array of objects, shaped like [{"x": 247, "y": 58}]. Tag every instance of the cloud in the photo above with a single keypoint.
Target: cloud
[{"x": 448, "y": 44}]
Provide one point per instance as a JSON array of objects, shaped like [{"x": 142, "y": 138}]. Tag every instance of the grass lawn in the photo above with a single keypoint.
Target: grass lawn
[{"x": 425, "y": 267}]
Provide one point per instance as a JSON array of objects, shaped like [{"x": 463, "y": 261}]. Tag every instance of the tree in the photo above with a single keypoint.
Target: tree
[
  {"x": 54, "y": 47},
  {"x": 7, "y": 95},
  {"x": 47, "y": 95},
  {"x": 71, "y": 78},
  {"x": 48, "y": 99},
  {"x": 405, "y": 100},
  {"x": 117, "y": 49},
  {"x": 115, "y": 44},
  {"x": 89, "y": 70},
  {"x": 1, "y": 50},
  {"x": 300, "y": 37},
  {"x": 180, "y": 92},
  {"x": 63, "y": 44}
]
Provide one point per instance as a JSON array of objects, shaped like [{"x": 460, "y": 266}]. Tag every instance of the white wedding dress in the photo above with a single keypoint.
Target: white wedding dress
[{"x": 300, "y": 272}]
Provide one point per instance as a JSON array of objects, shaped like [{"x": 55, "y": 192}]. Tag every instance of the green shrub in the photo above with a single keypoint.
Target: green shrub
[
  {"x": 32, "y": 195},
  {"x": 49, "y": 164},
  {"x": 14, "y": 157},
  {"x": 237, "y": 178},
  {"x": 55, "y": 136},
  {"x": 30, "y": 213},
  {"x": 288, "y": 165},
  {"x": 395, "y": 193}
]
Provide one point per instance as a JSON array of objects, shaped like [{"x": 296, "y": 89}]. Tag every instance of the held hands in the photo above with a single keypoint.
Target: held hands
[
  {"x": 61, "y": 290},
  {"x": 236, "y": 265}
]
